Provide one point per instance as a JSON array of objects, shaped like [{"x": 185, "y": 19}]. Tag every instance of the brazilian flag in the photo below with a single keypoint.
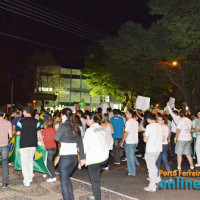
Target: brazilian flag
[
  {"x": 82, "y": 104},
  {"x": 11, "y": 154},
  {"x": 39, "y": 159}
]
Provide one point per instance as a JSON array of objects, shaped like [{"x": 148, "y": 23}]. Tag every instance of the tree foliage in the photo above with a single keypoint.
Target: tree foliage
[{"x": 138, "y": 61}]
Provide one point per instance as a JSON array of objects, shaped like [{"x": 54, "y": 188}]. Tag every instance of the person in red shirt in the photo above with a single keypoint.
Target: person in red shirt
[{"x": 50, "y": 144}]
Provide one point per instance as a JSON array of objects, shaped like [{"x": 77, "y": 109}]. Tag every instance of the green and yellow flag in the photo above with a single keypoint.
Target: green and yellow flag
[
  {"x": 82, "y": 104},
  {"x": 11, "y": 154},
  {"x": 39, "y": 159}
]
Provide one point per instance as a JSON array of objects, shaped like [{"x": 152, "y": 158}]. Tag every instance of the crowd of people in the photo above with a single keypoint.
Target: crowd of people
[{"x": 91, "y": 139}]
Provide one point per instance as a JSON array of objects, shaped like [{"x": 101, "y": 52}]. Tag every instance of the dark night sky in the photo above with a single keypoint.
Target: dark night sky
[{"x": 104, "y": 15}]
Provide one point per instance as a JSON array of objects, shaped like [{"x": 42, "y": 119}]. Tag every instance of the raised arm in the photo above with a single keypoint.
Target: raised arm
[{"x": 137, "y": 112}]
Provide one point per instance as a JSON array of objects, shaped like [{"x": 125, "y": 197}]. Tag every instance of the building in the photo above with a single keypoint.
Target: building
[{"x": 56, "y": 86}]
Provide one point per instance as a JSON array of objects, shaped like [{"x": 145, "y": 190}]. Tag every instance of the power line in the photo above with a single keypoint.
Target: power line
[
  {"x": 43, "y": 20},
  {"x": 69, "y": 18},
  {"x": 62, "y": 20},
  {"x": 64, "y": 29},
  {"x": 38, "y": 43}
]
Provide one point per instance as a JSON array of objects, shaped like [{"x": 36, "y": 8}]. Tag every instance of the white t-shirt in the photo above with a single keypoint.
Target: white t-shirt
[
  {"x": 196, "y": 125},
  {"x": 165, "y": 133},
  {"x": 154, "y": 132},
  {"x": 132, "y": 128},
  {"x": 95, "y": 145},
  {"x": 185, "y": 125}
]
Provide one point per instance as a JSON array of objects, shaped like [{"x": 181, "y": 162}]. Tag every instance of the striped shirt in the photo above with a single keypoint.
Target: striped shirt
[{"x": 5, "y": 127}]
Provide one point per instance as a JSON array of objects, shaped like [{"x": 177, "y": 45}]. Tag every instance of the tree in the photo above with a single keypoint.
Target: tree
[
  {"x": 129, "y": 62},
  {"x": 180, "y": 20}
]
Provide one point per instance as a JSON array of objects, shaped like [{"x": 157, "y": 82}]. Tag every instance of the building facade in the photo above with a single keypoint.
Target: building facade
[{"x": 56, "y": 86}]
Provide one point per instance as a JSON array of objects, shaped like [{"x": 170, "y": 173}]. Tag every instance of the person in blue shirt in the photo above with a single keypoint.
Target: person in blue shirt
[
  {"x": 118, "y": 126},
  {"x": 17, "y": 118}
]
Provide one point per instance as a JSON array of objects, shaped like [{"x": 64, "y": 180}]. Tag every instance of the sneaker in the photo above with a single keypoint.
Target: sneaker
[
  {"x": 106, "y": 168},
  {"x": 5, "y": 185},
  {"x": 197, "y": 165},
  {"x": 124, "y": 159},
  {"x": 149, "y": 189},
  {"x": 44, "y": 175},
  {"x": 139, "y": 155},
  {"x": 170, "y": 180},
  {"x": 116, "y": 163},
  {"x": 91, "y": 198},
  {"x": 26, "y": 184},
  {"x": 50, "y": 180},
  {"x": 191, "y": 170},
  {"x": 79, "y": 166},
  {"x": 127, "y": 174}
]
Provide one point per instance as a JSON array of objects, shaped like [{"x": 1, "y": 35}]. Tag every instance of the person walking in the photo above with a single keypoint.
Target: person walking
[
  {"x": 153, "y": 137},
  {"x": 118, "y": 126},
  {"x": 69, "y": 137},
  {"x": 163, "y": 154},
  {"x": 131, "y": 138},
  {"x": 48, "y": 134},
  {"x": 183, "y": 141},
  {"x": 5, "y": 133},
  {"x": 28, "y": 128},
  {"x": 196, "y": 129},
  {"x": 96, "y": 151}
]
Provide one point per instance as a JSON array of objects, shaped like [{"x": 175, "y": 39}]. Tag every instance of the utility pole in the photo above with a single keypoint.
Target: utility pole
[{"x": 11, "y": 96}]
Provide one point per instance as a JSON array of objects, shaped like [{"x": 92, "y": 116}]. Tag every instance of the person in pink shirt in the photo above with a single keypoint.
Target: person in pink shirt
[{"x": 5, "y": 133}]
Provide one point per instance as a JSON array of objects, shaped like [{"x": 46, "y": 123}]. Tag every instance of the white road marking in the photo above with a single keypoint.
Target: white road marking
[{"x": 122, "y": 195}]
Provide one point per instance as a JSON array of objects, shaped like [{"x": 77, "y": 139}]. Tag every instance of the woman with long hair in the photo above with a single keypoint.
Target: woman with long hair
[
  {"x": 107, "y": 126},
  {"x": 163, "y": 155},
  {"x": 96, "y": 151},
  {"x": 69, "y": 136}
]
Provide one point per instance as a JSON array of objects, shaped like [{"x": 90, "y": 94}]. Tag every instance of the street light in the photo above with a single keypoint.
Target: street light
[
  {"x": 157, "y": 105},
  {"x": 174, "y": 63}
]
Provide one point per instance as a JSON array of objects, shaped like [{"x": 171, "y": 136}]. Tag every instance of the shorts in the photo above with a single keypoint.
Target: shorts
[{"x": 183, "y": 147}]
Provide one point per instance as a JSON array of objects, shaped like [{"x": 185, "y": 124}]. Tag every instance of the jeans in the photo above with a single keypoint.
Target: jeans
[
  {"x": 130, "y": 155},
  {"x": 66, "y": 166},
  {"x": 151, "y": 158},
  {"x": 4, "y": 157},
  {"x": 163, "y": 159},
  {"x": 172, "y": 143},
  {"x": 118, "y": 151},
  {"x": 27, "y": 163},
  {"x": 50, "y": 165},
  {"x": 94, "y": 173},
  {"x": 136, "y": 161}
]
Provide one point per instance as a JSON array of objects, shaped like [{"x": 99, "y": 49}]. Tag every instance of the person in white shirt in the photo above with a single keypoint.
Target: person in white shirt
[
  {"x": 153, "y": 137},
  {"x": 196, "y": 128},
  {"x": 183, "y": 140},
  {"x": 163, "y": 155},
  {"x": 97, "y": 152},
  {"x": 131, "y": 138},
  {"x": 175, "y": 119}
]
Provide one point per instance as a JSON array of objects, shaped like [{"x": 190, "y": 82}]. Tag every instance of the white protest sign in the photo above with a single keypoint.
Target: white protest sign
[
  {"x": 112, "y": 105},
  {"x": 142, "y": 103},
  {"x": 172, "y": 102},
  {"x": 104, "y": 108}
]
